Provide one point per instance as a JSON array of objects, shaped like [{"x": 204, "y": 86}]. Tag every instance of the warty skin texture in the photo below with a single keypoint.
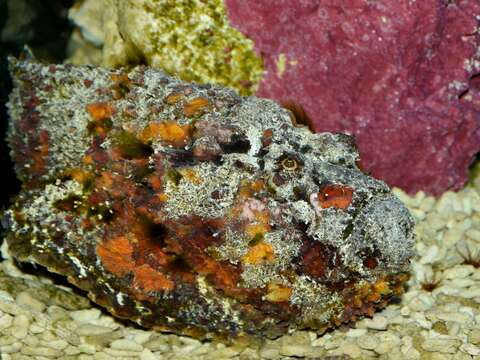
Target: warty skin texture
[{"x": 188, "y": 208}]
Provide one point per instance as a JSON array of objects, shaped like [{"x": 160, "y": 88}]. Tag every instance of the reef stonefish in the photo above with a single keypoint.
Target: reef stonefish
[{"x": 190, "y": 209}]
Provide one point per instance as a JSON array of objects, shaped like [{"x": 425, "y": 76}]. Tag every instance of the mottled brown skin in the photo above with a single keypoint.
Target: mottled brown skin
[{"x": 113, "y": 233}]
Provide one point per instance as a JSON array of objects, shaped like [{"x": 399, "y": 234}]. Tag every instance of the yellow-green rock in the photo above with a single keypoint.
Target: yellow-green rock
[{"x": 190, "y": 38}]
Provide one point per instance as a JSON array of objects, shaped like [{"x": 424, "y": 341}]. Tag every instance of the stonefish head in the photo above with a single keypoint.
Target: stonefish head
[{"x": 190, "y": 209}]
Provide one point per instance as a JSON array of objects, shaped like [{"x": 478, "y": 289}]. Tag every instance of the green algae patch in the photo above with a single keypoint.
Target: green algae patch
[{"x": 191, "y": 39}]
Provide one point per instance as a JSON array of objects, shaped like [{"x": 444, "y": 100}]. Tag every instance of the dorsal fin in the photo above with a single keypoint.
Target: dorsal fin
[{"x": 298, "y": 114}]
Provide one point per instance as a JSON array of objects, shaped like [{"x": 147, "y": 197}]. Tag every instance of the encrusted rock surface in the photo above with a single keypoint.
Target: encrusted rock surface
[
  {"x": 402, "y": 76},
  {"x": 437, "y": 318},
  {"x": 189, "y": 209}
]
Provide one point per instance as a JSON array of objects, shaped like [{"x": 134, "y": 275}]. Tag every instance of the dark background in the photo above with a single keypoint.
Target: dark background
[{"x": 43, "y": 26}]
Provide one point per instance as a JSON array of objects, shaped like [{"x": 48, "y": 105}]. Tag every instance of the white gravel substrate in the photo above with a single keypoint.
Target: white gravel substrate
[{"x": 437, "y": 318}]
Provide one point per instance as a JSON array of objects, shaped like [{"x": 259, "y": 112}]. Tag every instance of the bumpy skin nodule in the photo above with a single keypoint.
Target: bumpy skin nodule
[{"x": 187, "y": 208}]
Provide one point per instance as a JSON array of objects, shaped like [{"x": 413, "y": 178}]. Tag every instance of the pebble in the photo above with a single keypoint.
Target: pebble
[
  {"x": 120, "y": 353},
  {"x": 422, "y": 302},
  {"x": 201, "y": 350},
  {"x": 467, "y": 205},
  {"x": 410, "y": 353},
  {"x": 183, "y": 348},
  {"x": 48, "y": 336},
  {"x": 42, "y": 319},
  {"x": 293, "y": 350},
  {"x": 147, "y": 355},
  {"x": 85, "y": 316},
  {"x": 448, "y": 346},
  {"x": 7, "y": 339},
  {"x": 421, "y": 320},
  {"x": 190, "y": 341},
  {"x": 157, "y": 344},
  {"x": 473, "y": 292},
  {"x": 451, "y": 237},
  {"x": 462, "y": 283},
  {"x": 57, "y": 313},
  {"x": 353, "y": 333},
  {"x": 378, "y": 322},
  {"x": 107, "y": 321},
  {"x": 87, "y": 348},
  {"x": 11, "y": 349},
  {"x": 418, "y": 214},
  {"x": 458, "y": 272},
  {"x": 92, "y": 330},
  {"x": 102, "y": 356},
  {"x": 10, "y": 308},
  {"x": 453, "y": 329},
  {"x": 71, "y": 350},
  {"x": 473, "y": 234},
  {"x": 124, "y": 344},
  {"x": 456, "y": 317},
  {"x": 368, "y": 342},
  {"x": 430, "y": 255},
  {"x": 25, "y": 299},
  {"x": 351, "y": 349},
  {"x": 40, "y": 351},
  {"x": 269, "y": 352},
  {"x": 476, "y": 275},
  {"x": 6, "y": 321},
  {"x": 470, "y": 349},
  {"x": 85, "y": 357},
  {"x": 36, "y": 329},
  {"x": 56, "y": 344},
  {"x": 405, "y": 311},
  {"x": 248, "y": 354},
  {"x": 386, "y": 342},
  {"x": 142, "y": 337},
  {"x": 408, "y": 350},
  {"x": 6, "y": 297},
  {"x": 447, "y": 290},
  {"x": 65, "y": 330},
  {"x": 474, "y": 336},
  {"x": 223, "y": 353},
  {"x": 333, "y": 344}
]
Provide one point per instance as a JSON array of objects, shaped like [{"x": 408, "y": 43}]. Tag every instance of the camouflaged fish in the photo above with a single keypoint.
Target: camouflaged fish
[{"x": 190, "y": 209}]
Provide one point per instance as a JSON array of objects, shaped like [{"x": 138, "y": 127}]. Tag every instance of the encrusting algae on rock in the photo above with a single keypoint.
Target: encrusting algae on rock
[
  {"x": 190, "y": 38},
  {"x": 187, "y": 208}
]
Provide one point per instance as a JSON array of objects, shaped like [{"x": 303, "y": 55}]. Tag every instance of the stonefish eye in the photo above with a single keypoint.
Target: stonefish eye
[{"x": 290, "y": 163}]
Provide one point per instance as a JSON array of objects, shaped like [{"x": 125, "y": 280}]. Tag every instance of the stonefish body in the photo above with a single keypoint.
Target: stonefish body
[{"x": 187, "y": 208}]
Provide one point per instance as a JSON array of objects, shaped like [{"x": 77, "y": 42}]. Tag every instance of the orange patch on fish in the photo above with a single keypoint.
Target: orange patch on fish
[
  {"x": 338, "y": 196},
  {"x": 100, "y": 111},
  {"x": 148, "y": 279},
  {"x": 259, "y": 253},
  {"x": 168, "y": 131},
  {"x": 278, "y": 293},
  {"x": 116, "y": 255},
  {"x": 174, "y": 98},
  {"x": 195, "y": 106},
  {"x": 191, "y": 176}
]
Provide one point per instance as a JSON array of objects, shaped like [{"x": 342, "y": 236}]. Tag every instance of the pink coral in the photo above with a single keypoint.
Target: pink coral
[{"x": 398, "y": 74}]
